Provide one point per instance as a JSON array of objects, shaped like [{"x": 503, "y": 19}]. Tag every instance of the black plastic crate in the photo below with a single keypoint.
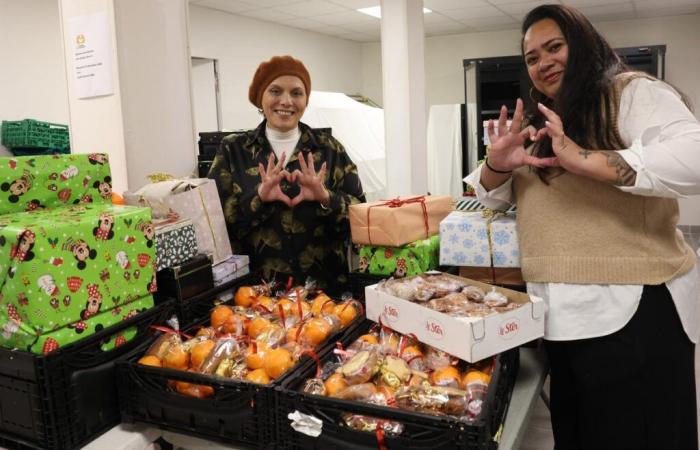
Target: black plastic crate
[
  {"x": 239, "y": 412},
  {"x": 67, "y": 398},
  {"x": 421, "y": 431}
]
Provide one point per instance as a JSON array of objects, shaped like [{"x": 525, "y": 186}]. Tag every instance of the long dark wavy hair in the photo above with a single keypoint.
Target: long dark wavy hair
[{"x": 584, "y": 96}]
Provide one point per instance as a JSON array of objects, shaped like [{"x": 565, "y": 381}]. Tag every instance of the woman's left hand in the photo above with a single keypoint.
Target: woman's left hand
[
  {"x": 567, "y": 152},
  {"x": 311, "y": 183}
]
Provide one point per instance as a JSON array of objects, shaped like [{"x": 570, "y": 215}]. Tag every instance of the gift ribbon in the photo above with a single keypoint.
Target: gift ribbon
[
  {"x": 211, "y": 227},
  {"x": 397, "y": 203},
  {"x": 380, "y": 435},
  {"x": 312, "y": 354},
  {"x": 490, "y": 215}
]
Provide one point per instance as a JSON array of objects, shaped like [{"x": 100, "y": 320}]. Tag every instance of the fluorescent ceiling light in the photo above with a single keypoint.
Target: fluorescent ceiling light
[{"x": 376, "y": 11}]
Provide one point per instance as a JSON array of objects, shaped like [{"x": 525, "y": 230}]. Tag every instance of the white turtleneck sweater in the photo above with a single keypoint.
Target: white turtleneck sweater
[{"x": 283, "y": 141}]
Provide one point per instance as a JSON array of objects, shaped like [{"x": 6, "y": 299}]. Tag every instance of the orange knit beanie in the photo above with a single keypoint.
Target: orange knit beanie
[{"x": 276, "y": 67}]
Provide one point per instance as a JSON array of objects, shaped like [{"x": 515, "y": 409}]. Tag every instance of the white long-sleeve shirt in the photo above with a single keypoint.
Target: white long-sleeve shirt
[{"x": 663, "y": 139}]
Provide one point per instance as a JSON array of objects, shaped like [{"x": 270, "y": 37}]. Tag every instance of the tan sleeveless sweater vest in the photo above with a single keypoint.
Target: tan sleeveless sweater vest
[{"x": 578, "y": 230}]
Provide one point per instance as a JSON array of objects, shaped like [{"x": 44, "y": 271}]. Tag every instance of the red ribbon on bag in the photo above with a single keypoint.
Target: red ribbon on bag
[{"x": 397, "y": 203}]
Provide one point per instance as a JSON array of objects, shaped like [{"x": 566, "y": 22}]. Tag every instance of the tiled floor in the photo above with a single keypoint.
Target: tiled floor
[{"x": 539, "y": 432}]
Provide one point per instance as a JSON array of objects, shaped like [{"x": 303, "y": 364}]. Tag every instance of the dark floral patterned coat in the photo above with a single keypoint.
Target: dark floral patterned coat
[{"x": 306, "y": 240}]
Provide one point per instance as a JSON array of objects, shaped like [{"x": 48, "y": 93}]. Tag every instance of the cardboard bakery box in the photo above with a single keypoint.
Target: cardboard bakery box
[{"x": 468, "y": 338}]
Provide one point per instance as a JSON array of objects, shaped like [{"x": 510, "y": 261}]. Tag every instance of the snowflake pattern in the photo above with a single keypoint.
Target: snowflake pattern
[{"x": 465, "y": 241}]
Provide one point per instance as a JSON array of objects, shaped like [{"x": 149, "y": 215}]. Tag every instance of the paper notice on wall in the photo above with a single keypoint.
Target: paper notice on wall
[{"x": 91, "y": 54}]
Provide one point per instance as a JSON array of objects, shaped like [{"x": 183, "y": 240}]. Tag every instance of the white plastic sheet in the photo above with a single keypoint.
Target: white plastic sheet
[
  {"x": 444, "y": 151},
  {"x": 360, "y": 128}
]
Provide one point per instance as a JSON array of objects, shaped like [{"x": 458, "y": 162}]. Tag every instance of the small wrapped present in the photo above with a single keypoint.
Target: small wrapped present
[
  {"x": 176, "y": 242},
  {"x": 399, "y": 221},
  {"x": 411, "y": 259},
  {"x": 482, "y": 239},
  {"x": 196, "y": 199},
  {"x": 234, "y": 267},
  {"x": 484, "y": 244}
]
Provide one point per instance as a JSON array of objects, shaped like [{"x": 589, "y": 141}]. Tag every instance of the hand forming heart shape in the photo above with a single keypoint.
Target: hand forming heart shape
[{"x": 311, "y": 183}]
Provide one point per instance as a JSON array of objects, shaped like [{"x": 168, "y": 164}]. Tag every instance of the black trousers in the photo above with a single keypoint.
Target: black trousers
[{"x": 633, "y": 389}]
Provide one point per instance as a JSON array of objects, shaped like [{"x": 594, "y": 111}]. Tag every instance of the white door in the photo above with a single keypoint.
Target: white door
[{"x": 205, "y": 93}]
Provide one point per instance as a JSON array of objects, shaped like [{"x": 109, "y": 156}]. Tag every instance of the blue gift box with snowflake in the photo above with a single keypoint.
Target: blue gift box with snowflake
[{"x": 478, "y": 238}]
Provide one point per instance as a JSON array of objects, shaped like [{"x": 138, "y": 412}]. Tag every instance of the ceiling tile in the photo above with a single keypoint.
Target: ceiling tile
[
  {"x": 648, "y": 4},
  {"x": 614, "y": 11},
  {"x": 270, "y": 15},
  {"x": 273, "y": 3},
  {"x": 332, "y": 31},
  {"x": 344, "y": 18},
  {"x": 506, "y": 2},
  {"x": 355, "y": 4},
  {"x": 582, "y": 3},
  {"x": 231, "y": 6},
  {"x": 519, "y": 10},
  {"x": 439, "y": 5},
  {"x": 311, "y": 8},
  {"x": 472, "y": 13},
  {"x": 482, "y": 22},
  {"x": 653, "y": 9},
  {"x": 435, "y": 17}
]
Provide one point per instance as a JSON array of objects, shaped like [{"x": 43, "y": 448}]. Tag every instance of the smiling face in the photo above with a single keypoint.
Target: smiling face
[
  {"x": 546, "y": 53},
  {"x": 284, "y": 102}
]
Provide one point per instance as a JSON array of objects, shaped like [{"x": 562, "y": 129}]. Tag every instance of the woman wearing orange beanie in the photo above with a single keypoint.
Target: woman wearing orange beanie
[{"x": 285, "y": 188}]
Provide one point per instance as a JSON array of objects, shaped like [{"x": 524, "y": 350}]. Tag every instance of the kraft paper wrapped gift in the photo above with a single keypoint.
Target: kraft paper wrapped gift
[
  {"x": 61, "y": 268},
  {"x": 196, "y": 199},
  {"x": 397, "y": 222},
  {"x": 479, "y": 239},
  {"x": 28, "y": 183},
  {"x": 410, "y": 259},
  {"x": 176, "y": 242}
]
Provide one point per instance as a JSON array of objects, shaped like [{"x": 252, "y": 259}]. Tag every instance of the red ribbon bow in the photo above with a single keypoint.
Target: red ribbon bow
[{"x": 397, "y": 203}]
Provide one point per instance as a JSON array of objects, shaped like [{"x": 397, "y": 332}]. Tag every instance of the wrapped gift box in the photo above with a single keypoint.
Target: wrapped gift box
[
  {"x": 397, "y": 222},
  {"x": 50, "y": 341},
  {"x": 196, "y": 199},
  {"x": 63, "y": 267},
  {"x": 28, "y": 183},
  {"x": 411, "y": 259},
  {"x": 479, "y": 239},
  {"x": 176, "y": 242},
  {"x": 234, "y": 267}
]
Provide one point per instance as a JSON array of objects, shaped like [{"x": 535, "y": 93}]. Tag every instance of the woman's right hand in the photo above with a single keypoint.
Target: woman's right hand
[
  {"x": 508, "y": 145},
  {"x": 269, "y": 189}
]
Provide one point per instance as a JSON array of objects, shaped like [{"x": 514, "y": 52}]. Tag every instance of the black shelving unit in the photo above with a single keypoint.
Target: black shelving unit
[{"x": 501, "y": 80}]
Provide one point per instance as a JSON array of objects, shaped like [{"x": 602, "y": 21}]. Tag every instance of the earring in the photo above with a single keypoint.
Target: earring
[{"x": 532, "y": 96}]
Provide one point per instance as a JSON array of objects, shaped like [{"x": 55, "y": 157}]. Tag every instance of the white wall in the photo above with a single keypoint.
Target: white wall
[
  {"x": 32, "y": 69},
  {"x": 240, "y": 44},
  {"x": 445, "y": 76},
  {"x": 154, "y": 74}
]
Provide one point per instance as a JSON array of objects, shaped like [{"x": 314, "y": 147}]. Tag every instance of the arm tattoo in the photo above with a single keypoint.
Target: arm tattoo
[
  {"x": 585, "y": 153},
  {"x": 626, "y": 176}
]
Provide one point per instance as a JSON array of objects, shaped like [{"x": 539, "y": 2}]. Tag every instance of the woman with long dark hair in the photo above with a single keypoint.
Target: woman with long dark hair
[{"x": 596, "y": 170}]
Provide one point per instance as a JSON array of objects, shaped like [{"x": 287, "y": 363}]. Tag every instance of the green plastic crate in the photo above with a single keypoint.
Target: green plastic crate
[{"x": 35, "y": 134}]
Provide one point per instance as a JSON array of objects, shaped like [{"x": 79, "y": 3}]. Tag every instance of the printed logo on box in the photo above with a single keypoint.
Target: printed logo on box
[
  {"x": 390, "y": 312},
  {"x": 434, "y": 328},
  {"x": 509, "y": 328}
]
